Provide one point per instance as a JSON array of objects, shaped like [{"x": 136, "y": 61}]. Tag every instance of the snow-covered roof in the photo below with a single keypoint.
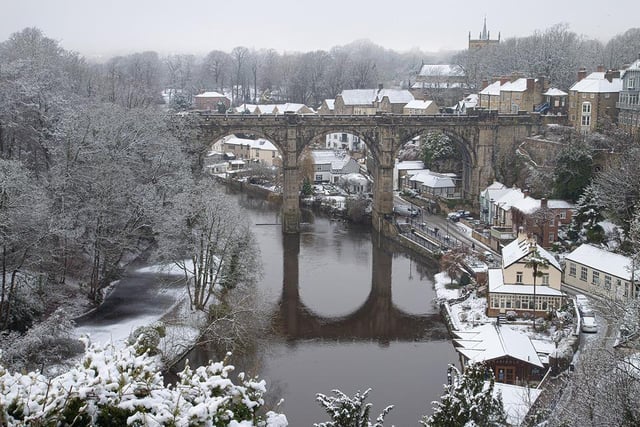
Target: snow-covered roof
[
  {"x": 518, "y": 85},
  {"x": 330, "y": 103},
  {"x": 597, "y": 83},
  {"x": 552, "y": 91},
  {"x": 529, "y": 205},
  {"x": 358, "y": 96},
  {"x": 211, "y": 95},
  {"x": 437, "y": 70},
  {"x": 633, "y": 67},
  {"x": 337, "y": 159},
  {"x": 368, "y": 96},
  {"x": 260, "y": 143},
  {"x": 292, "y": 108},
  {"x": 396, "y": 96},
  {"x": 605, "y": 261},
  {"x": 418, "y": 104},
  {"x": 495, "y": 279},
  {"x": 492, "y": 89},
  {"x": 491, "y": 341},
  {"x": 516, "y": 400},
  {"x": 268, "y": 108},
  {"x": 520, "y": 248},
  {"x": 410, "y": 165},
  {"x": 433, "y": 180}
]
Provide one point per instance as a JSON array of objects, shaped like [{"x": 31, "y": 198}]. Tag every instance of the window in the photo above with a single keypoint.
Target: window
[
  {"x": 595, "y": 278},
  {"x": 545, "y": 279},
  {"x": 592, "y": 96},
  {"x": 552, "y": 237},
  {"x": 563, "y": 215},
  {"x": 572, "y": 270},
  {"x": 631, "y": 83},
  {"x": 585, "y": 119},
  {"x": 607, "y": 95},
  {"x": 607, "y": 282},
  {"x": 583, "y": 274},
  {"x": 318, "y": 178},
  {"x": 518, "y": 276}
]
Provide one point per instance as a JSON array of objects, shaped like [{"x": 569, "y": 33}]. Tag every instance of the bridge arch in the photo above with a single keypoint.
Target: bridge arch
[{"x": 476, "y": 136}]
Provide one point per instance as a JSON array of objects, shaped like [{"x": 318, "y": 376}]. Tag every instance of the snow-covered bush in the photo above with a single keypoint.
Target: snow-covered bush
[
  {"x": 118, "y": 386},
  {"x": 347, "y": 411}
]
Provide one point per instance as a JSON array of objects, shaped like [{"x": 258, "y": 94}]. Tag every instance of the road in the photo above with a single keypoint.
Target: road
[{"x": 450, "y": 234}]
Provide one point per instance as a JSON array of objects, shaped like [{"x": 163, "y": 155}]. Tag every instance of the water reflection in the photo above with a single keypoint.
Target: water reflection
[{"x": 376, "y": 319}]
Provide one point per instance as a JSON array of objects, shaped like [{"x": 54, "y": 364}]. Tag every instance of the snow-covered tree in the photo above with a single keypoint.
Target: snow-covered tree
[
  {"x": 346, "y": 411},
  {"x": 207, "y": 239},
  {"x": 574, "y": 166},
  {"x": 468, "y": 400},
  {"x": 436, "y": 147},
  {"x": 121, "y": 386},
  {"x": 587, "y": 216}
]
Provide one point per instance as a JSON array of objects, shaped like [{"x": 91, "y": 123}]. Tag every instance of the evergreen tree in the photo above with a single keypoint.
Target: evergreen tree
[{"x": 468, "y": 400}]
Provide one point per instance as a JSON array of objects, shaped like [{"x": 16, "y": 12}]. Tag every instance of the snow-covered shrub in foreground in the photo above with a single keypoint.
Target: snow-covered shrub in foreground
[{"x": 112, "y": 386}]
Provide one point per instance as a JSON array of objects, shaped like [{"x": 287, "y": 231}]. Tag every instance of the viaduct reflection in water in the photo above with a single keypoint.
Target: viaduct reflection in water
[{"x": 376, "y": 319}]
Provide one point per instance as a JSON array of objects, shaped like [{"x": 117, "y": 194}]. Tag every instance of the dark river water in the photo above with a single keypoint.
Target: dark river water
[
  {"x": 350, "y": 311},
  {"x": 354, "y": 312}
]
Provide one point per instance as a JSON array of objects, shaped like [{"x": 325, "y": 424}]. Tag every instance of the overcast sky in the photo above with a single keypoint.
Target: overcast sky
[{"x": 199, "y": 26}]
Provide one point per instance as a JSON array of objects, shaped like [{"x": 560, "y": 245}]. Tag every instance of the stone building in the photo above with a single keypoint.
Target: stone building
[
  {"x": 593, "y": 98},
  {"x": 212, "y": 101}
]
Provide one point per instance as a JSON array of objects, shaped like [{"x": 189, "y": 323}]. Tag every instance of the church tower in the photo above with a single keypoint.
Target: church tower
[{"x": 484, "y": 38}]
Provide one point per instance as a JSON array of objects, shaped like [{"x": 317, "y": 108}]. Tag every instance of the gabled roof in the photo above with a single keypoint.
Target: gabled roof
[
  {"x": 330, "y": 103},
  {"x": 492, "y": 89},
  {"x": 433, "y": 180},
  {"x": 552, "y": 91},
  {"x": 596, "y": 83},
  {"x": 521, "y": 248},
  {"x": 605, "y": 261},
  {"x": 491, "y": 341},
  {"x": 396, "y": 96}
]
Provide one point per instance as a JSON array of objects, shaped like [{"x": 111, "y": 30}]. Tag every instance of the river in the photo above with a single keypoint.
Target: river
[{"x": 353, "y": 312}]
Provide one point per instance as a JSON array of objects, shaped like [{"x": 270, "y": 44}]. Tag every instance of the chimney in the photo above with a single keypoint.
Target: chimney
[
  {"x": 515, "y": 76},
  {"x": 582, "y": 73},
  {"x": 485, "y": 83},
  {"x": 379, "y": 87},
  {"x": 530, "y": 84},
  {"x": 611, "y": 74},
  {"x": 543, "y": 203},
  {"x": 503, "y": 80},
  {"x": 525, "y": 192},
  {"x": 600, "y": 69}
]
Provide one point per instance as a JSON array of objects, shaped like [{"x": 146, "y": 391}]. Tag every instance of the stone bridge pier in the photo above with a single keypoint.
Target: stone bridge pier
[{"x": 483, "y": 141}]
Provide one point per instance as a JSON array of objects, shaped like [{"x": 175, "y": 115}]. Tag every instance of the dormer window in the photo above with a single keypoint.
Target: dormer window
[{"x": 631, "y": 83}]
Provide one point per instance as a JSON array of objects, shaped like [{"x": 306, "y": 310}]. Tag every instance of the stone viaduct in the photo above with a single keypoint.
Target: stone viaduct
[{"x": 479, "y": 138}]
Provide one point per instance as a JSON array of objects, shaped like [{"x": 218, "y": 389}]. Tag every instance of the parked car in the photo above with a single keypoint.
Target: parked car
[
  {"x": 453, "y": 216},
  {"x": 405, "y": 210},
  {"x": 581, "y": 300},
  {"x": 589, "y": 324}
]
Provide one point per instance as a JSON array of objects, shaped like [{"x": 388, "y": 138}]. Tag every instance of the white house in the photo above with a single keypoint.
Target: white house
[
  {"x": 344, "y": 141},
  {"x": 434, "y": 184},
  {"x": 329, "y": 165},
  {"x": 594, "y": 271},
  {"x": 514, "y": 287}
]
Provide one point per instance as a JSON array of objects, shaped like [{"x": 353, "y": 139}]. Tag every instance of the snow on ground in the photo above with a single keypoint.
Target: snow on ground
[
  {"x": 441, "y": 281},
  {"x": 171, "y": 269}
]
